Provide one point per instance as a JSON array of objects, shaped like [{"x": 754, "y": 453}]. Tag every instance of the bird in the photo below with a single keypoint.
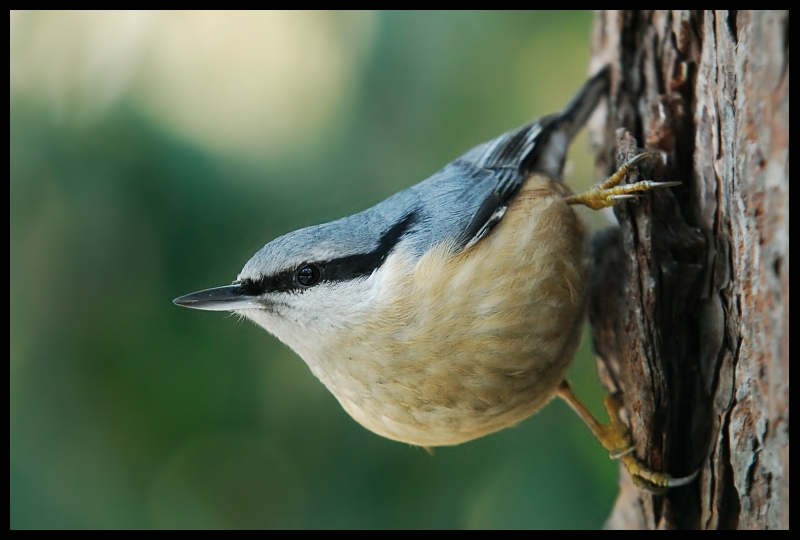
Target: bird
[{"x": 453, "y": 308}]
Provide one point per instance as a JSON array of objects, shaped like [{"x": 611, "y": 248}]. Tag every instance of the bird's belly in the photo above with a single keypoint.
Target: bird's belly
[{"x": 471, "y": 343}]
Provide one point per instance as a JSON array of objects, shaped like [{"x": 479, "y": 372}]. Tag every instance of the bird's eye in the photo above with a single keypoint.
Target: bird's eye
[{"x": 308, "y": 275}]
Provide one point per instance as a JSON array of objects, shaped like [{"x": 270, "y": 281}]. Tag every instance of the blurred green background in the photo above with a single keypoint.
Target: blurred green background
[{"x": 151, "y": 155}]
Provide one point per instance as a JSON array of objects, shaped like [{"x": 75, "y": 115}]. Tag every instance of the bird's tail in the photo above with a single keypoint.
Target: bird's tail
[
  {"x": 578, "y": 111},
  {"x": 558, "y": 130},
  {"x": 542, "y": 145}
]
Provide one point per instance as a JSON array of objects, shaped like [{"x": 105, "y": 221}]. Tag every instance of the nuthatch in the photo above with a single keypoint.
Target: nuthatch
[{"x": 453, "y": 308}]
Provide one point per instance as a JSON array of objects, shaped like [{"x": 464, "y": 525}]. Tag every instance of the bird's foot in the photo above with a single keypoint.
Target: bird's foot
[
  {"x": 616, "y": 438},
  {"x": 610, "y": 192}
]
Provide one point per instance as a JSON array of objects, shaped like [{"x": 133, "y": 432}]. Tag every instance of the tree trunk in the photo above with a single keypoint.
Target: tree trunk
[{"x": 691, "y": 297}]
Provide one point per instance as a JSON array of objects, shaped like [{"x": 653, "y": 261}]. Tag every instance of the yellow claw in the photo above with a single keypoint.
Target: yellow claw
[
  {"x": 616, "y": 438},
  {"x": 609, "y": 193}
]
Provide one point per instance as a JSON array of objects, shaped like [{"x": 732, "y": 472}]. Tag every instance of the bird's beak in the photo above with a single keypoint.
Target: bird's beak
[{"x": 228, "y": 298}]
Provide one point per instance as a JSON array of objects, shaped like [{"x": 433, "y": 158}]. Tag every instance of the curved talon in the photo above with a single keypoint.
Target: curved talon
[
  {"x": 635, "y": 160},
  {"x": 663, "y": 184},
  {"x": 657, "y": 482},
  {"x": 682, "y": 480},
  {"x": 617, "y": 454}
]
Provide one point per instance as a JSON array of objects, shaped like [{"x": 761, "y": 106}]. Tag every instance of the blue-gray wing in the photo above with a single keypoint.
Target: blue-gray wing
[{"x": 469, "y": 196}]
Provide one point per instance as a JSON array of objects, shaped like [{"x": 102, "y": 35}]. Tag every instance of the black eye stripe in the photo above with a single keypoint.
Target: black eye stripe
[
  {"x": 341, "y": 269},
  {"x": 364, "y": 264},
  {"x": 283, "y": 281}
]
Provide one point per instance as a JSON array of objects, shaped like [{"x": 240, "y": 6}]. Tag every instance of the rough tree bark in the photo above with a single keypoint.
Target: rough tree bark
[{"x": 691, "y": 301}]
